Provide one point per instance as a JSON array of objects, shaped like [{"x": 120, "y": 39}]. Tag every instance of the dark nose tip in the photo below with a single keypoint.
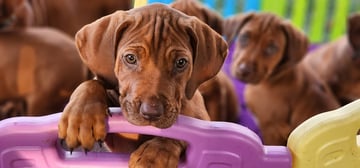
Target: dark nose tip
[
  {"x": 151, "y": 109},
  {"x": 244, "y": 70}
]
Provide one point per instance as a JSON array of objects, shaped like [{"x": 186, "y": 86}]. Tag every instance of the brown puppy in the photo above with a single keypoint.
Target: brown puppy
[
  {"x": 66, "y": 15},
  {"x": 39, "y": 69},
  {"x": 338, "y": 63},
  {"x": 154, "y": 57},
  {"x": 280, "y": 91},
  {"x": 219, "y": 93}
]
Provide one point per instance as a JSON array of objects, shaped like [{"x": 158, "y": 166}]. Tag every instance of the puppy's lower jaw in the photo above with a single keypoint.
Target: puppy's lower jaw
[
  {"x": 164, "y": 121},
  {"x": 250, "y": 79},
  {"x": 144, "y": 114}
]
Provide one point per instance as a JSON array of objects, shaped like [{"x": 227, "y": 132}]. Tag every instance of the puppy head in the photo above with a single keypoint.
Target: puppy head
[
  {"x": 353, "y": 25},
  {"x": 14, "y": 13},
  {"x": 194, "y": 8},
  {"x": 156, "y": 55},
  {"x": 266, "y": 45}
]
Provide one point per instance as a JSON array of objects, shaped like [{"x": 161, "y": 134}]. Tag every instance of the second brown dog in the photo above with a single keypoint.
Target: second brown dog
[
  {"x": 280, "y": 91},
  {"x": 39, "y": 69},
  {"x": 219, "y": 93},
  {"x": 338, "y": 63},
  {"x": 66, "y": 15}
]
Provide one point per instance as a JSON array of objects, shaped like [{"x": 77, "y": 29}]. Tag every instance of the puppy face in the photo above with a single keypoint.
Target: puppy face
[
  {"x": 157, "y": 57},
  {"x": 152, "y": 73},
  {"x": 265, "y": 46},
  {"x": 260, "y": 48}
]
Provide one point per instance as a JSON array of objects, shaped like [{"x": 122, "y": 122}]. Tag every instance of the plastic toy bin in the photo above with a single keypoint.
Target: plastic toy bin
[
  {"x": 328, "y": 140},
  {"x": 32, "y": 142}
]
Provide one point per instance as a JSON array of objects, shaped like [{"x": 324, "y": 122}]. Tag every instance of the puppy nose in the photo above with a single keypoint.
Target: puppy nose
[
  {"x": 245, "y": 70},
  {"x": 151, "y": 109}
]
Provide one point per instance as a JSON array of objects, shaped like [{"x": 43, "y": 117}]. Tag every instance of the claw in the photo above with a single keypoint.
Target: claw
[
  {"x": 86, "y": 151},
  {"x": 100, "y": 143},
  {"x": 71, "y": 150},
  {"x": 108, "y": 112},
  {"x": 62, "y": 142}
]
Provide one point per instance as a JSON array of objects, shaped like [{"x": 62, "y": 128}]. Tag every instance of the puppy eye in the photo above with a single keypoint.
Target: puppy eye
[
  {"x": 130, "y": 58},
  {"x": 244, "y": 39},
  {"x": 181, "y": 63},
  {"x": 271, "y": 49}
]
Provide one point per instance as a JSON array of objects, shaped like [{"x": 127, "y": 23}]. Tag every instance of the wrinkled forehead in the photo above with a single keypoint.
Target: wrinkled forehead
[
  {"x": 158, "y": 29},
  {"x": 264, "y": 23}
]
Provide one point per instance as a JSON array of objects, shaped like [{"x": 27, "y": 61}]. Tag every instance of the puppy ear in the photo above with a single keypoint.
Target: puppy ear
[
  {"x": 354, "y": 31},
  {"x": 97, "y": 44},
  {"x": 214, "y": 20},
  {"x": 233, "y": 25},
  {"x": 296, "y": 47},
  {"x": 205, "y": 14},
  {"x": 209, "y": 52}
]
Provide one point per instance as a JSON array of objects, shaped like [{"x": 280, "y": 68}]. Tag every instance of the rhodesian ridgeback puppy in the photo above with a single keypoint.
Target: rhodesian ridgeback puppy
[
  {"x": 155, "y": 58},
  {"x": 338, "y": 63},
  {"x": 280, "y": 90}
]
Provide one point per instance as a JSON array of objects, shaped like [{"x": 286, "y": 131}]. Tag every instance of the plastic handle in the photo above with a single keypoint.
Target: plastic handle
[
  {"x": 328, "y": 139},
  {"x": 32, "y": 142}
]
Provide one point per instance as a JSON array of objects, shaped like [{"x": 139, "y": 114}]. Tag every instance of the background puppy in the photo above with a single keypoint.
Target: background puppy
[
  {"x": 38, "y": 74},
  {"x": 66, "y": 15},
  {"x": 338, "y": 63},
  {"x": 219, "y": 93},
  {"x": 154, "y": 57},
  {"x": 280, "y": 91},
  {"x": 195, "y": 8}
]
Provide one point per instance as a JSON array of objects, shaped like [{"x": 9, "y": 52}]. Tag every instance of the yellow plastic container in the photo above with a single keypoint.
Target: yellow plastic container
[
  {"x": 139, "y": 3},
  {"x": 328, "y": 140}
]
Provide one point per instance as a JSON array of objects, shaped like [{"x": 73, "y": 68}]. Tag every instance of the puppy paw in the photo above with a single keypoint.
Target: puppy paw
[
  {"x": 157, "y": 153},
  {"x": 83, "y": 121}
]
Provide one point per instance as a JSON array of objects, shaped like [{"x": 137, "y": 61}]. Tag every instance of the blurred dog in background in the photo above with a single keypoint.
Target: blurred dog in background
[
  {"x": 38, "y": 73},
  {"x": 40, "y": 65},
  {"x": 66, "y": 15},
  {"x": 338, "y": 62},
  {"x": 219, "y": 93},
  {"x": 280, "y": 91}
]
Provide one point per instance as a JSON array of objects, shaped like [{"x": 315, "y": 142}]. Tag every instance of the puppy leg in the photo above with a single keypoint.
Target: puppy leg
[
  {"x": 84, "y": 118},
  {"x": 157, "y": 151}
]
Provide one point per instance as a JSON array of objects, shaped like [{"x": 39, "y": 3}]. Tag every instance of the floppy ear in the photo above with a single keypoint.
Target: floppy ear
[
  {"x": 205, "y": 14},
  {"x": 354, "y": 31},
  {"x": 211, "y": 18},
  {"x": 233, "y": 25},
  {"x": 296, "y": 45},
  {"x": 209, "y": 52},
  {"x": 97, "y": 44}
]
